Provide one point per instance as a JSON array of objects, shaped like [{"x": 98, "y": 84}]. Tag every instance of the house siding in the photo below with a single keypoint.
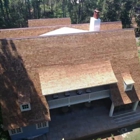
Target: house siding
[{"x": 28, "y": 132}]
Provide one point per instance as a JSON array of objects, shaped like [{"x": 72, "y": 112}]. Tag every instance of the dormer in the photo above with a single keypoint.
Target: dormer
[
  {"x": 128, "y": 87},
  {"x": 25, "y": 107},
  {"x": 128, "y": 81}
]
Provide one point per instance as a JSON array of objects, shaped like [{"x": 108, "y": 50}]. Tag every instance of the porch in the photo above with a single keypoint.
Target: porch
[
  {"x": 78, "y": 96},
  {"x": 81, "y": 121}
]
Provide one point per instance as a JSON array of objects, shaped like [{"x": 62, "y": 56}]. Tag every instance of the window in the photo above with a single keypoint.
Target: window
[
  {"x": 128, "y": 87},
  {"x": 15, "y": 131},
  {"x": 41, "y": 125},
  {"x": 25, "y": 107}
]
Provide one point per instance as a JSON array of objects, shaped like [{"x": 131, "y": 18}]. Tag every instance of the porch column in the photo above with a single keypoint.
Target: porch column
[
  {"x": 135, "y": 106},
  {"x": 111, "y": 110}
]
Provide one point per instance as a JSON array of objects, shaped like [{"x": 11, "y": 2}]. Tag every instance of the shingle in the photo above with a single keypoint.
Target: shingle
[{"x": 60, "y": 78}]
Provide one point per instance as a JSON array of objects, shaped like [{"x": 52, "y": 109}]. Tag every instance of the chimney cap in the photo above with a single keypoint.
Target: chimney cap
[{"x": 96, "y": 10}]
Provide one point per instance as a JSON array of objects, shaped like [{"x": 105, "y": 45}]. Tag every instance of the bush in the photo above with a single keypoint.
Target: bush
[{"x": 112, "y": 136}]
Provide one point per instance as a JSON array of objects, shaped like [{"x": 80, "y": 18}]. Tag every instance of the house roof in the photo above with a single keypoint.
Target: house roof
[
  {"x": 63, "y": 30},
  {"x": 130, "y": 68},
  {"x": 60, "y": 78},
  {"x": 24, "y": 60}
]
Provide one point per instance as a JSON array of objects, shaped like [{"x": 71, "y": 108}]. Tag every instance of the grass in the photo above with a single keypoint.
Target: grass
[
  {"x": 138, "y": 42},
  {"x": 134, "y": 135}
]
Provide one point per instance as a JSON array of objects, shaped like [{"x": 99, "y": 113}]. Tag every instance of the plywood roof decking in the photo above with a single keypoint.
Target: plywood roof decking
[
  {"x": 127, "y": 78},
  {"x": 60, "y": 78}
]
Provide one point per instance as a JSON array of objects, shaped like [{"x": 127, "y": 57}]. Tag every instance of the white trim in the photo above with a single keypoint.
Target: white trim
[
  {"x": 42, "y": 125},
  {"x": 15, "y": 131},
  {"x": 135, "y": 105},
  {"x": 111, "y": 110},
  {"x": 128, "y": 87},
  {"x": 71, "y": 100},
  {"x": 25, "y": 109}
]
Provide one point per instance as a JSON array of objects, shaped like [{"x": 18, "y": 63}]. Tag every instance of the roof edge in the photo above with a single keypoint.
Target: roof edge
[{"x": 33, "y": 37}]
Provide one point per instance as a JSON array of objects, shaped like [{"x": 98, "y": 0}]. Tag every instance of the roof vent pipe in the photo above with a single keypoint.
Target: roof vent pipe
[{"x": 95, "y": 21}]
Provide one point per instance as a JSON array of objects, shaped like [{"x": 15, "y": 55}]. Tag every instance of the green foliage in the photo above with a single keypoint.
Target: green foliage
[
  {"x": 112, "y": 136},
  {"x": 134, "y": 135},
  {"x": 16, "y": 13},
  {"x": 99, "y": 139}
]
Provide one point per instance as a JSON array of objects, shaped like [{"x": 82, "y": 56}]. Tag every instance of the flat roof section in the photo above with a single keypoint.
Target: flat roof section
[
  {"x": 127, "y": 78},
  {"x": 58, "y": 78},
  {"x": 64, "y": 30}
]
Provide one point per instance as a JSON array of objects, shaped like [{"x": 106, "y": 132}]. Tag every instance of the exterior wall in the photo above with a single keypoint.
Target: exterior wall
[
  {"x": 36, "y": 31},
  {"x": 28, "y": 132},
  {"x": 49, "y": 22}
]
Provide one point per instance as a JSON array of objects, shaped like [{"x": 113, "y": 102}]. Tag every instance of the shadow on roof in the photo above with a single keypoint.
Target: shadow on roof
[{"x": 17, "y": 88}]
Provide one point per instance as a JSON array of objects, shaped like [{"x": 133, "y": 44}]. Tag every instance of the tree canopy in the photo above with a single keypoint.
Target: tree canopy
[{"x": 14, "y": 14}]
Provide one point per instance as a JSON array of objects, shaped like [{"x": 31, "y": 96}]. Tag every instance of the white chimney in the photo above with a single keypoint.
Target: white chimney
[{"x": 95, "y": 21}]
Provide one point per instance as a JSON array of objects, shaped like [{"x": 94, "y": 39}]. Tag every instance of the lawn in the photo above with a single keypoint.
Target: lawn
[{"x": 134, "y": 135}]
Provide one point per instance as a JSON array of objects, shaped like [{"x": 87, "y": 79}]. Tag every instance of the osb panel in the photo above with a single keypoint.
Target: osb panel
[
  {"x": 17, "y": 87},
  {"x": 77, "y": 48},
  {"x": 48, "y": 22},
  {"x": 36, "y": 31}
]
